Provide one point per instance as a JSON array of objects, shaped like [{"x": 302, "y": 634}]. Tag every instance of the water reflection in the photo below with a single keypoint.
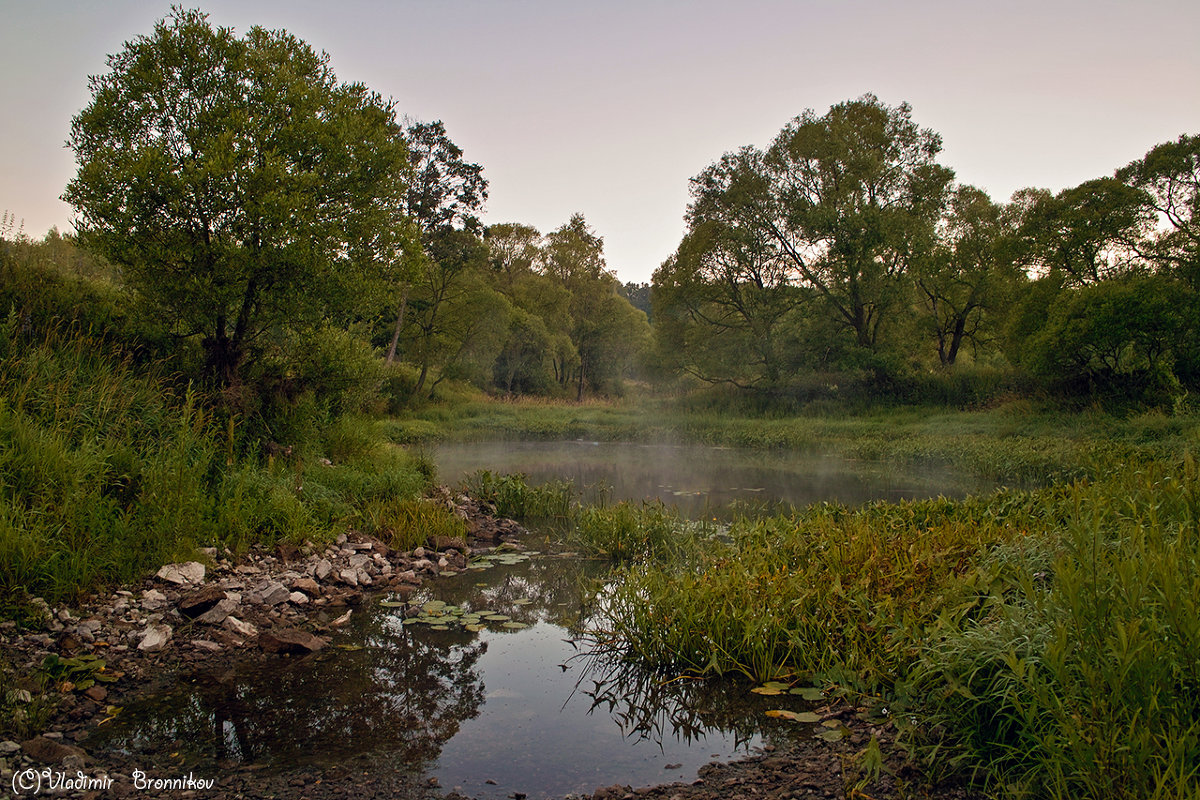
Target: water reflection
[
  {"x": 395, "y": 693},
  {"x": 493, "y": 711},
  {"x": 657, "y": 708}
]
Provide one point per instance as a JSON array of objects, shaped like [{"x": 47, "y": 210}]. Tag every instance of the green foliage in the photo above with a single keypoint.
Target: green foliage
[
  {"x": 1119, "y": 337},
  {"x": 102, "y": 471},
  {"x": 239, "y": 186},
  {"x": 1082, "y": 680},
  {"x": 82, "y": 672},
  {"x": 633, "y": 532},
  {"x": 405, "y": 524},
  {"x": 512, "y": 497}
]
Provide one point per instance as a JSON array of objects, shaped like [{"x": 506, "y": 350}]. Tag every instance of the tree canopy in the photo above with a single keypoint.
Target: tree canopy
[{"x": 237, "y": 183}]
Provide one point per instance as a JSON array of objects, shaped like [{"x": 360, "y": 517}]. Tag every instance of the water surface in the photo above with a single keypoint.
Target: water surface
[
  {"x": 511, "y": 706},
  {"x": 700, "y": 479}
]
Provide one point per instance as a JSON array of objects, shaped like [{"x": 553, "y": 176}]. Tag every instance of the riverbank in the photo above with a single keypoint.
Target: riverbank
[{"x": 86, "y": 662}]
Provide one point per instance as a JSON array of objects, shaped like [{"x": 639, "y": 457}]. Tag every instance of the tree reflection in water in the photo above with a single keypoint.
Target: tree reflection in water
[{"x": 400, "y": 696}]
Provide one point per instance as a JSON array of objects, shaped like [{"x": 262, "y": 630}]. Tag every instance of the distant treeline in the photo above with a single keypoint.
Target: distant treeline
[{"x": 282, "y": 234}]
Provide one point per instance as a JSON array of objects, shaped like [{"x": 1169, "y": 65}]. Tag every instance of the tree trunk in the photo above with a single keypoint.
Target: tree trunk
[{"x": 391, "y": 353}]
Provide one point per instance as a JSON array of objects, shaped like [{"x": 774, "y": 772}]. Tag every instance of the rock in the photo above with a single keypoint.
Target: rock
[
  {"x": 419, "y": 552},
  {"x": 155, "y": 638},
  {"x": 97, "y": 693},
  {"x": 8, "y": 748},
  {"x": 308, "y": 586},
  {"x": 182, "y": 574},
  {"x": 449, "y": 543},
  {"x": 48, "y": 751},
  {"x": 152, "y": 600},
  {"x": 408, "y": 576},
  {"x": 323, "y": 569},
  {"x": 200, "y": 601},
  {"x": 298, "y": 598},
  {"x": 274, "y": 593},
  {"x": 205, "y": 644},
  {"x": 286, "y": 552},
  {"x": 290, "y": 640},
  {"x": 236, "y": 626},
  {"x": 217, "y": 614},
  {"x": 349, "y": 577},
  {"x": 358, "y": 561}
]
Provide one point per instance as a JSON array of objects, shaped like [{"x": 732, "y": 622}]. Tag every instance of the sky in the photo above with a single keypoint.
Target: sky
[{"x": 609, "y": 107}]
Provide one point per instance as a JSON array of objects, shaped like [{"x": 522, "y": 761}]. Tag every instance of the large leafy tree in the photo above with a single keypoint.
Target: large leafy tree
[
  {"x": 970, "y": 273},
  {"x": 723, "y": 304},
  {"x": 606, "y": 331},
  {"x": 1088, "y": 232},
  {"x": 236, "y": 182},
  {"x": 840, "y": 203},
  {"x": 1169, "y": 177}
]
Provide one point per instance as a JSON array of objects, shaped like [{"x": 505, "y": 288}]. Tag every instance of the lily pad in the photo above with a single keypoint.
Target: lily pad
[
  {"x": 392, "y": 603},
  {"x": 475, "y": 627},
  {"x": 439, "y": 627},
  {"x": 516, "y": 626},
  {"x": 809, "y": 693},
  {"x": 832, "y": 735},
  {"x": 771, "y": 688},
  {"x": 497, "y": 617},
  {"x": 795, "y": 716}
]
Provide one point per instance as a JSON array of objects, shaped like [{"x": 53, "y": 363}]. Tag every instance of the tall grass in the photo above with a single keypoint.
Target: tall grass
[
  {"x": 102, "y": 471},
  {"x": 1085, "y": 680},
  {"x": 109, "y": 469},
  {"x": 513, "y": 497},
  {"x": 1046, "y": 639}
]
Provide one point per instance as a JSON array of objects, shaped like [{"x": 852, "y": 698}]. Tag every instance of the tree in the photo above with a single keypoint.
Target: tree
[
  {"x": 236, "y": 182},
  {"x": 842, "y": 200},
  {"x": 442, "y": 198},
  {"x": 606, "y": 331},
  {"x": 723, "y": 303},
  {"x": 1169, "y": 177},
  {"x": 1090, "y": 232},
  {"x": 964, "y": 280}
]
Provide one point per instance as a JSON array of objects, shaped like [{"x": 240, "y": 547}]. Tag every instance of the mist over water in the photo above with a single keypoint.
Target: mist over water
[{"x": 699, "y": 480}]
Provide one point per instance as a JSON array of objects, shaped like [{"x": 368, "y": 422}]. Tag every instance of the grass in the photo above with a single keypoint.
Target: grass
[
  {"x": 108, "y": 470},
  {"x": 1043, "y": 638},
  {"x": 512, "y": 497}
]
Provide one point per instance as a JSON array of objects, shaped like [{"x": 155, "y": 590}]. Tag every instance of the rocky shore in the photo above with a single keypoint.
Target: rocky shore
[{"x": 76, "y": 664}]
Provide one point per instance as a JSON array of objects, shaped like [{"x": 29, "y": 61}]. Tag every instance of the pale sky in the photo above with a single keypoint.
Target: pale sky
[{"x": 609, "y": 107}]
